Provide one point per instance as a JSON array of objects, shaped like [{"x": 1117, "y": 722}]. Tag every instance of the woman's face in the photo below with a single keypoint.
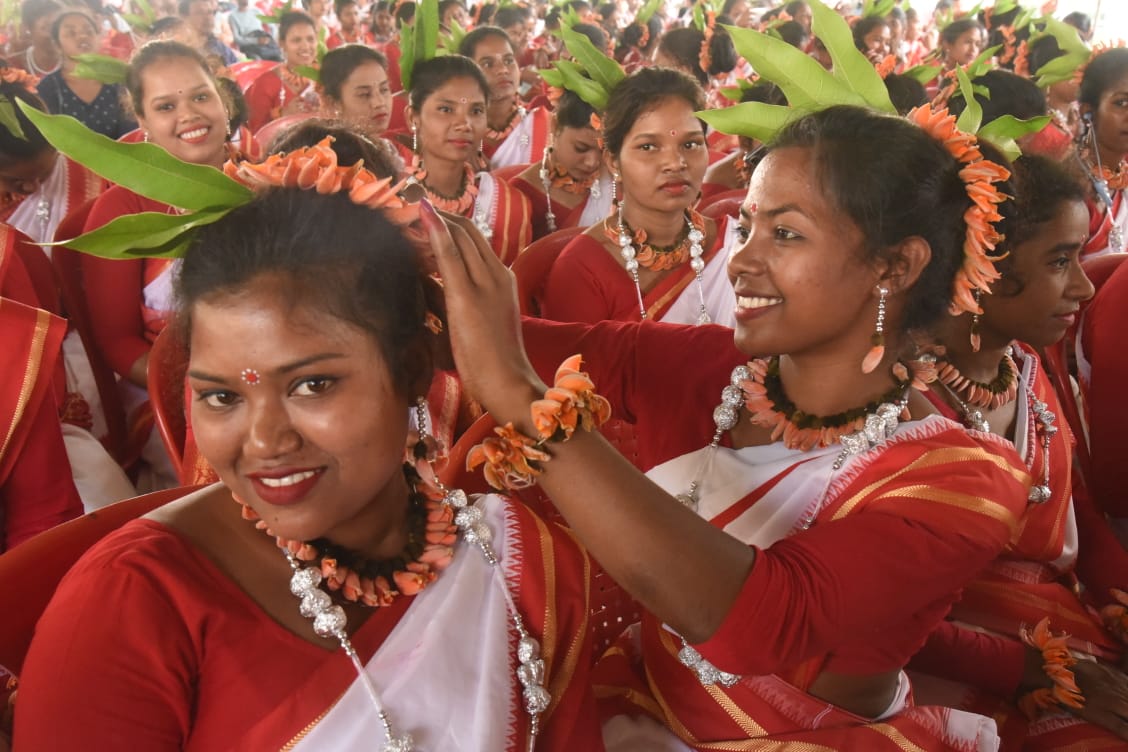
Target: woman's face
[
  {"x": 878, "y": 41},
  {"x": 41, "y": 32},
  {"x": 518, "y": 35},
  {"x": 366, "y": 99},
  {"x": 966, "y": 47},
  {"x": 315, "y": 446},
  {"x": 799, "y": 253},
  {"x": 1053, "y": 285},
  {"x": 452, "y": 121},
  {"x": 382, "y": 23},
  {"x": 741, "y": 14},
  {"x": 456, "y": 14},
  {"x": 577, "y": 151},
  {"x": 182, "y": 112},
  {"x": 299, "y": 46},
  {"x": 317, "y": 8},
  {"x": 77, "y": 36},
  {"x": 495, "y": 57},
  {"x": 663, "y": 159},
  {"x": 1111, "y": 119},
  {"x": 26, "y": 176},
  {"x": 348, "y": 17}
]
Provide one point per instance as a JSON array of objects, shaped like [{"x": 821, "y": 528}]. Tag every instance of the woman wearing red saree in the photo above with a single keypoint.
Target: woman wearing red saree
[{"x": 283, "y": 90}]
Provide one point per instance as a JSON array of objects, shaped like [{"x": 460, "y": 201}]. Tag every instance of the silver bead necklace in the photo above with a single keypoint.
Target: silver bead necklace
[{"x": 696, "y": 262}]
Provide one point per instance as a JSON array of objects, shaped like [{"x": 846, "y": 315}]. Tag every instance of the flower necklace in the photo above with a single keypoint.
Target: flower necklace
[
  {"x": 660, "y": 259},
  {"x": 991, "y": 395},
  {"x": 459, "y": 204},
  {"x": 552, "y": 176},
  {"x": 1116, "y": 180},
  {"x": 497, "y": 136}
]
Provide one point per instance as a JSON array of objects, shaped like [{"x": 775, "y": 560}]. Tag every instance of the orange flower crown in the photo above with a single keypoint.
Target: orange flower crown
[
  {"x": 979, "y": 175},
  {"x": 512, "y": 460},
  {"x": 1098, "y": 50},
  {"x": 704, "y": 57},
  {"x": 886, "y": 66},
  {"x": 20, "y": 77},
  {"x": 315, "y": 167}
]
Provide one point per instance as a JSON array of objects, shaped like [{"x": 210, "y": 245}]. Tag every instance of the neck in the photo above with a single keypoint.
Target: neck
[
  {"x": 44, "y": 57},
  {"x": 380, "y": 530},
  {"x": 1109, "y": 159},
  {"x": 444, "y": 176},
  {"x": 982, "y": 366},
  {"x": 499, "y": 111},
  {"x": 831, "y": 384},
  {"x": 662, "y": 228},
  {"x": 67, "y": 65}
]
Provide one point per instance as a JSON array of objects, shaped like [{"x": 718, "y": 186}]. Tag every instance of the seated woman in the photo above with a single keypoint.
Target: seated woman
[
  {"x": 655, "y": 258},
  {"x": 833, "y": 519},
  {"x": 515, "y": 136},
  {"x": 688, "y": 51},
  {"x": 308, "y": 355},
  {"x": 282, "y": 90},
  {"x": 354, "y": 89},
  {"x": 990, "y": 379},
  {"x": 350, "y": 29},
  {"x": 568, "y": 187},
  {"x": 735, "y": 171},
  {"x": 180, "y": 109},
  {"x": 1104, "y": 150},
  {"x": 96, "y": 105},
  {"x": 447, "y": 116}
]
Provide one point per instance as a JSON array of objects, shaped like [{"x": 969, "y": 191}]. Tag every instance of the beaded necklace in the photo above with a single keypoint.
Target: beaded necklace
[
  {"x": 655, "y": 257},
  {"x": 990, "y": 395},
  {"x": 459, "y": 204},
  {"x": 497, "y": 136}
]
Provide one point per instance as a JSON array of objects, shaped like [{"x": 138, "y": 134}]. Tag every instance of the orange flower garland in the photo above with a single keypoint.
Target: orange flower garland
[
  {"x": 654, "y": 258},
  {"x": 705, "y": 57},
  {"x": 979, "y": 175},
  {"x": 20, "y": 77},
  {"x": 315, "y": 167},
  {"x": 1058, "y": 659},
  {"x": 511, "y": 459},
  {"x": 1098, "y": 50}
]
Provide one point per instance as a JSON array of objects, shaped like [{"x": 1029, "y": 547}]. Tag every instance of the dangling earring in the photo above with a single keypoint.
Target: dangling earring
[
  {"x": 877, "y": 351},
  {"x": 227, "y": 125},
  {"x": 145, "y": 136},
  {"x": 975, "y": 340},
  {"x": 614, "y": 188},
  {"x": 546, "y": 181},
  {"x": 414, "y": 138}
]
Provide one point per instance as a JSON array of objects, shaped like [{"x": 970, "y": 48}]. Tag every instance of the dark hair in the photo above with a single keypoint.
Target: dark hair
[
  {"x": 326, "y": 252},
  {"x": 684, "y": 46},
  {"x": 338, "y": 64},
  {"x": 339, "y": 5},
  {"x": 511, "y": 14},
  {"x": 573, "y": 112},
  {"x": 633, "y": 34},
  {"x": 1105, "y": 70},
  {"x": 953, "y": 31},
  {"x": 237, "y": 110},
  {"x": 165, "y": 25},
  {"x": 905, "y": 92},
  {"x": 33, "y": 10},
  {"x": 794, "y": 33},
  {"x": 405, "y": 13},
  {"x": 445, "y": 5},
  {"x": 429, "y": 75},
  {"x": 155, "y": 51},
  {"x": 640, "y": 93},
  {"x": 1080, "y": 21},
  {"x": 863, "y": 27},
  {"x": 896, "y": 14},
  {"x": 795, "y": 5},
  {"x": 1007, "y": 94},
  {"x": 350, "y": 146},
  {"x": 13, "y": 148},
  {"x": 57, "y": 24},
  {"x": 485, "y": 14},
  {"x": 894, "y": 181},
  {"x": 726, "y": 9},
  {"x": 469, "y": 45},
  {"x": 595, "y": 34},
  {"x": 1041, "y": 51},
  {"x": 1041, "y": 186},
  {"x": 291, "y": 19}
]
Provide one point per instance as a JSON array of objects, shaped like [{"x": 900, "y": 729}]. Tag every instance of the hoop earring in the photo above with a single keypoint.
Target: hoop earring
[
  {"x": 974, "y": 334},
  {"x": 877, "y": 351}
]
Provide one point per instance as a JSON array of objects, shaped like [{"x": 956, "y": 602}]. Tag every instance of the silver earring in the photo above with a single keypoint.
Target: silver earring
[
  {"x": 145, "y": 136},
  {"x": 974, "y": 336},
  {"x": 415, "y": 139},
  {"x": 614, "y": 188},
  {"x": 227, "y": 123},
  {"x": 877, "y": 341}
]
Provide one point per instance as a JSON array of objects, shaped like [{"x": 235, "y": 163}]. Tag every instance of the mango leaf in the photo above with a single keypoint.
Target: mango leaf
[
  {"x": 407, "y": 54},
  {"x": 102, "y": 68},
  {"x": 427, "y": 30},
  {"x": 450, "y": 41},
  {"x": 972, "y": 116},
  {"x": 9, "y": 120},
  {"x": 877, "y": 8},
  {"x": 803, "y": 81},
  {"x": 146, "y": 169},
  {"x": 1075, "y": 55},
  {"x": 926, "y": 74},
  {"x": 983, "y": 63},
  {"x": 1005, "y": 131},
  {"x": 148, "y": 234},
  {"x": 752, "y": 120},
  {"x": 647, "y": 12},
  {"x": 552, "y": 77},
  {"x": 308, "y": 71},
  {"x": 586, "y": 89},
  {"x": 1004, "y": 6},
  {"x": 850, "y": 66},
  {"x": 603, "y": 70},
  {"x": 274, "y": 18}
]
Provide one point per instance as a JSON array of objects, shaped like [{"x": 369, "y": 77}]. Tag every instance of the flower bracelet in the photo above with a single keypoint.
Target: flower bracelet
[
  {"x": 1115, "y": 615},
  {"x": 1057, "y": 662},
  {"x": 512, "y": 460}
]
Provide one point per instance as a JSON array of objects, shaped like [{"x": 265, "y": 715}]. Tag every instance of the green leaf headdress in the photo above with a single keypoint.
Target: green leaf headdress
[
  {"x": 592, "y": 76},
  {"x": 419, "y": 40},
  {"x": 102, "y": 68},
  {"x": 1074, "y": 52},
  {"x": 141, "y": 22}
]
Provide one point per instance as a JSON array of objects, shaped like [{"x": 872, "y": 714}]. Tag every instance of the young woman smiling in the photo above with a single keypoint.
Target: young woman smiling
[
  {"x": 282, "y": 90},
  {"x": 447, "y": 117}
]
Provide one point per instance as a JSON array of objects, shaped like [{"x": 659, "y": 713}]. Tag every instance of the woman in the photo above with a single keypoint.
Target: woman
[
  {"x": 283, "y": 90},
  {"x": 1104, "y": 149},
  {"x": 642, "y": 261},
  {"x": 308, "y": 355},
  {"x": 685, "y": 50},
  {"x": 990, "y": 379},
  {"x": 872, "y": 37},
  {"x": 447, "y": 116},
  {"x": 41, "y": 56},
  {"x": 354, "y": 89},
  {"x": 796, "y": 609},
  {"x": 961, "y": 41},
  {"x": 96, "y": 105},
  {"x": 568, "y": 186},
  {"x": 179, "y": 108},
  {"x": 351, "y": 30},
  {"x": 514, "y": 136}
]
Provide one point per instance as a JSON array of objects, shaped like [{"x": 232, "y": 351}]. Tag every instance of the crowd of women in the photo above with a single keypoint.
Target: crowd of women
[{"x": 794, "y": 328}]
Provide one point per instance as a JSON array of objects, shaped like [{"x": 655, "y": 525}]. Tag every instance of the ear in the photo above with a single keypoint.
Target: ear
[
  {"x": 904, "y": 264},
  {"x": 409, "y": 117},
  {"x": 610, "y": 162}
]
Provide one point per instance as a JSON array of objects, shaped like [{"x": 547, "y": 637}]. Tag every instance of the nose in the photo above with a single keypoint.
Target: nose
[
  {"x": 745, "y": 260},
  {"x": 270, "y": 433},
  {"x": 1080, "y": 286}
]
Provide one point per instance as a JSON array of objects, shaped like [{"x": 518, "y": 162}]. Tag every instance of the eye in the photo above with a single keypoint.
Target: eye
[
  {"x": 647, "y": 147},
  {"x": 444, "y": 108},
  {"x": 166, "y": 107},
  {"x": 218, "y": 399},
  {"x": 743, "y": 233},
  {"x": 312, "y": 386},
  {"x": 203, "y": 97},
  {"x": 782, "y": 233},
  {"x": 478, "y": 110},
  {"x": 696, "y": 144}
]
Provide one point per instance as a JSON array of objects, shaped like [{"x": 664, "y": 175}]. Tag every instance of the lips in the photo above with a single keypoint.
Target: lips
[
  {"x": 196, "y": 135},
  {"x": 285, "y": 486},
  {"x": 752, "y": 302}
]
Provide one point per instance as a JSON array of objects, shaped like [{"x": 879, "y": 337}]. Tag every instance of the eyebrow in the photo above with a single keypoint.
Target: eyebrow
[
  {"x": 288, "y": 368},
  {"x": 784, "y": 210},
  {"x": 697, "y": 132},
  {"x": 170, "y": 96},
  {"x": 469, "y": 101}
]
